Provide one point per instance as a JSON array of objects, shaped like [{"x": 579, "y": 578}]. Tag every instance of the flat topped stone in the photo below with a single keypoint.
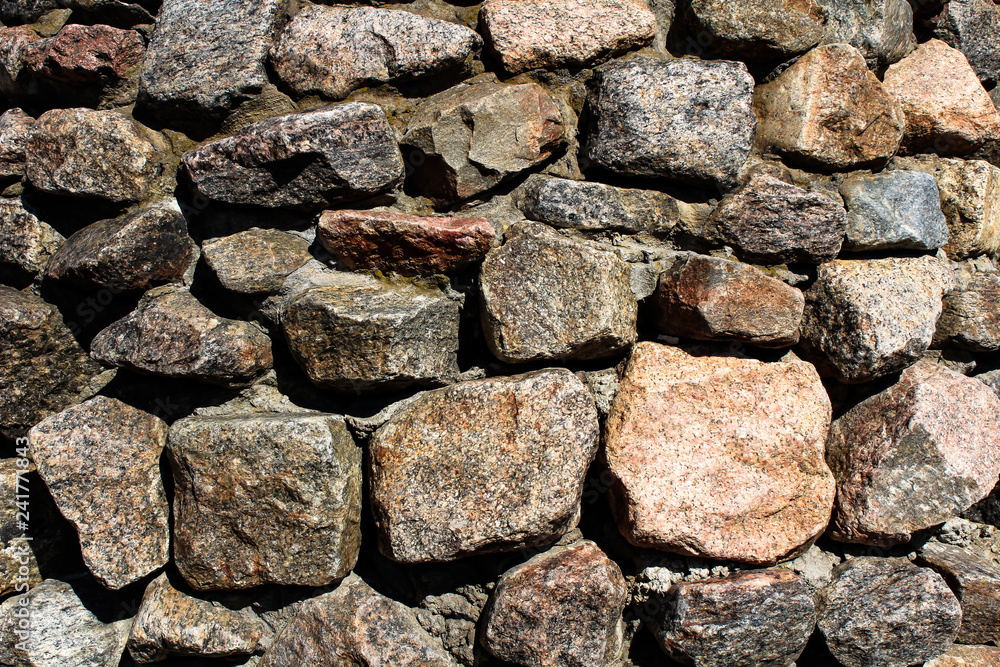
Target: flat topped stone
[
  {"x": 896, "y": 209},
  {"x": 757, "y": 29},
  {"x": 255, "y": 261}
]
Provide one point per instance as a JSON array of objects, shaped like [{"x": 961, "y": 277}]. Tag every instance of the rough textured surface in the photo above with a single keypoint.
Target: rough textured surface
[
  {"x": 26, "y": 243},
  {"x": 967, "y": 656},
  {"x": 827, "y": 110},
  {"x": 474, "y": 136},
  {"x": 305, "y": 161},
  {"x": 410, "y": 245},
  {"x": 868, "y": 318},
  {"x": 972, "y": 27},
  {"x": 15, "y": 125},
  {"x": 562, "y": 607},
  {"x": 563, "y": 33},
  {"x": 758, "y": 29},
  {"x": 547, "y": 297},
  {"x": 976, "y": 582},
  {"x": 171, "y": 333},
  {"x": 761, "y": 618},
  {"x": 970, "y": 319},
  {"x": 330, "y": 51},
  {"x": 859, "y": 632},
  {"x": 881, "y": 29},
  {"x": 101, "y": 462},
  {"x": 719, "y": 457},
  {"x": 686, "y": 120},
  {"x": 255, "y": 261},
  {"x": 893, "y": 210},
  {"x": 269, "y": 499},
  {"x": 707, "y": 298},
  {"x": 914, "y": 455},
  {"x": 485, "y": 465}
]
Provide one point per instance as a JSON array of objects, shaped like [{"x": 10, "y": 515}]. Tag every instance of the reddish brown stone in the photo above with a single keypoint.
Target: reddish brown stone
[
  {"x": 407, "y": 244},
  {"x": 14, "y": 128},
  {"x": 967, "y": 656},
  {"x": 82, "y": 54}
]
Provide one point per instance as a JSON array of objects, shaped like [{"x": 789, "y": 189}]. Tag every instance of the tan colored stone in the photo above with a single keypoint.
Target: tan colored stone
[{"x": 967, "y": 656}]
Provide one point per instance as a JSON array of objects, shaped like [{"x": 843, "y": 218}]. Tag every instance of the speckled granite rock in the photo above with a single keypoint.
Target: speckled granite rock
[
  {"x": 967, "y": 656},
  {"x": 881, "y": 29},
  {"x": 486, "y": 465},
  {"x": 859, "y": 632},
  {"x": 687, "y": 120},
  {"x": 972, "y": 27},
  {"x": 757, "y": 29},
  {"x": 79, "y": 152},
  {"x": 15, "y": 125},
  {"x": 207, "y": 56},
  {"x": 719, "y": 457},
  {"x": 771, "y": 221},
  {"x": 26, "y": 243},
  {"x": 304, "y": 161},
  {"x": 947, "y": 110},
  {"x": 16, "y": 43},
  {"x": 101, "y": 462},
  {"x": 970, "y": 319},
  {"x": 171, "y": 333},
  {"x": 42, "y": 367},
  {"x": 893, "y": 210},
  {"x": 913, "y": 456},
  {"x": 562, "y": 607},
  {"x": 331, "y": 51},
  {"x": 551, "y": 34},
  {"x": 868, "y": 318},
  {"x": 761, "y": 618},
  {"x": 255, "y": 261},
  {"x": 474, "y": 136},
  {"x": 266, "y": 499},
  {"x": 355, "y": 625},
  {"x": 410, "y": 245},
  {"x": 171, "y": 622},
  {"x": 829, "y": 111},
  {"x": 976, "y": 583},
  {"x": 707, "y": 298},
  {"x": 547, "y": 297}
]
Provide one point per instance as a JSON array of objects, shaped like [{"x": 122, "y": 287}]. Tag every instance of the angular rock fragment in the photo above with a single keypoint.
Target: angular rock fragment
[
  {"x": 483, "y": 466},
  {"x": 265, "y": 499},
  {"x": 552, "y": 34},
  {"x": 171, "y": 333},
  {"x": 207, "y": 56},
  {"x": 913, "y": 456},
  {"x": 719, "y": 457},
  {"x": 16, "y": 45},
  {"x": 42, "y": 367},
  {"x": 562, "y": 607},
  {"x": 410, "y": 245},
  {"x": 547, "y": 297},
  {"x": 355, "y": 625},
  {"x": 893, "y": 210},
  {"x": 757, "y": 29},
  {"x": 474, "y": 136},
  {"x": 947, "y": 110},
  {"x": 976, "y": 583},
  {"x": 882, "y": 30},
  {"x": 19, "y": 566},
  {"x": 970, "y": 319},
  {"x": 829, "y": 111},
  {"x": 26, "y": 243},
  {"x": 687, "y": 120},
  {"x": 972, "y": 27},
  {"x": 331, "y": 51},
  {"x": 101, "y": 462},
  {"x": 763, "y": 617},
  {"x": 15, "y": 126},
  {"x": 771, "y": 221},
  {"x": 79, "y": 152},
  {"x": 255, "y": 261},
  {"x": 859, "y": 630},
  {"x": 868, "y": 318},
  {"x": 305, "y": 161},
  {"x": 714, "y": 299}
]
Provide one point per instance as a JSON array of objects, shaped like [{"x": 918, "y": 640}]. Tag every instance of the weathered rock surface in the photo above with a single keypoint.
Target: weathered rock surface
[
  {"x": 410, "y": 245},
  {"x": 267, "y": 499},
  {"x": 562, "y": 33},
  {"x": 881, "y": 29},
  {"x": 771, "y": 221},
  {"x": 171, "y": 622},
  {"x": 687, "y": 120},
  {"x": 113, "y": 12},
  {"x": 947, "y": 110},
  {"x": 305, "y": 161},
  {"x": 355, "y": 625},
  {"x": 474, "y": 136},
  {"x": 26, "y": 243},
  {"x": 562, "y": 607},
  {"x": 967, "y": 656},
  {"x": 868, "y": 318},
  {"x": 483, "y": 466},
  {"x": 19, "y": 566},
  {"x": 829, "y": 111},
  {"x": 970, "y": 319},
  {"x": 206, "y": 57},
  {"x": 719, "y": 457},
  {"x": 859, "y": 632},
  {"x": 976, "y": 583},
  {"x": 15, "y": 125},
  {"x": 255, "y": 261},
  {"x": 331, "y": 51},
  {"x": 972, "y": 26},
  {"x": 171, "y": 333},
  {"x": 758, "y": 29},
  {"x": 16, "y": 43},
  {"x": 760, "y": 618},
  {"x": 42, "y": 367},
  {"x": 547, "y": 297},
  {"x": 914, "y": 455},
  {"x": 893, "y": 210},
  {"x": 79, "y": 152}
]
